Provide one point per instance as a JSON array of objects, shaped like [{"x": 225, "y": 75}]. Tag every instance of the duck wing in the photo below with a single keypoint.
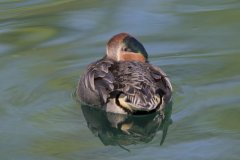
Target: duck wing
[
  {"x": 143, "y": 87},
  {"x": 163, "y": 82},
  {"x": 96, "y": 83}
]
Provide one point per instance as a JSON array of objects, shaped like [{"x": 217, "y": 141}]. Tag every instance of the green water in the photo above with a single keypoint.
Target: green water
[{"x": 46, "y": 44}]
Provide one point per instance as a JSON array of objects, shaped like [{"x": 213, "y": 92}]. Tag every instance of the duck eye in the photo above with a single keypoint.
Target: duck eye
[{"x": 126, "y": 49}]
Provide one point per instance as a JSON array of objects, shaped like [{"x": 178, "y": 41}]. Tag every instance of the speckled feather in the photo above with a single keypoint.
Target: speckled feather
[{"x": 141, "y": 83}]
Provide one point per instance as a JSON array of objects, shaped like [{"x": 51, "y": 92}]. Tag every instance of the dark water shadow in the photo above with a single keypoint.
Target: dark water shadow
[{"x": 122, "y": 130}]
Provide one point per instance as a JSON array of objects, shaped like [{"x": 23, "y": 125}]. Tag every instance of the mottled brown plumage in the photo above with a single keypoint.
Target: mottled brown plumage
[{"x": 121, "y": 84}]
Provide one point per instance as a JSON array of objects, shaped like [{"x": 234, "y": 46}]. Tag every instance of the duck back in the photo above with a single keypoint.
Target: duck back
[
  {"x": 132, "y": 85},
  {"x": 142, "y": 86}
]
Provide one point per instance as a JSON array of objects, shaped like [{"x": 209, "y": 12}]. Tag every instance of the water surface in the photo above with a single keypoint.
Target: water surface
[{"x": 45, "y": 45}]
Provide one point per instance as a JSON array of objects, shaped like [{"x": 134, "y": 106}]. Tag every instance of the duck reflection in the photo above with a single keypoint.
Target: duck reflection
[{"x": 122, "y": 130}]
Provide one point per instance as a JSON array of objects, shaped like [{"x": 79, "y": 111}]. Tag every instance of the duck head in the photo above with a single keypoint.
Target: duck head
[{"x": 124, "y": 47}]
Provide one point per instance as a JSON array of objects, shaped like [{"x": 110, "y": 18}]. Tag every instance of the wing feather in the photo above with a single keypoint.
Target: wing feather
[
  {"x": 141, "y": 84},
  {"x": 96, "y": 82}
]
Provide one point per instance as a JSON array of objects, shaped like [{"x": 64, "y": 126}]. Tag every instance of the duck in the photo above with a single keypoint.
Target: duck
[{"x": 123, "y": 81}]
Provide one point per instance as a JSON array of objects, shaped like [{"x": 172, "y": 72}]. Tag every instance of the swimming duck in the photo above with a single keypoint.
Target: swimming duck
[{"x": 123, "y": 81}]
